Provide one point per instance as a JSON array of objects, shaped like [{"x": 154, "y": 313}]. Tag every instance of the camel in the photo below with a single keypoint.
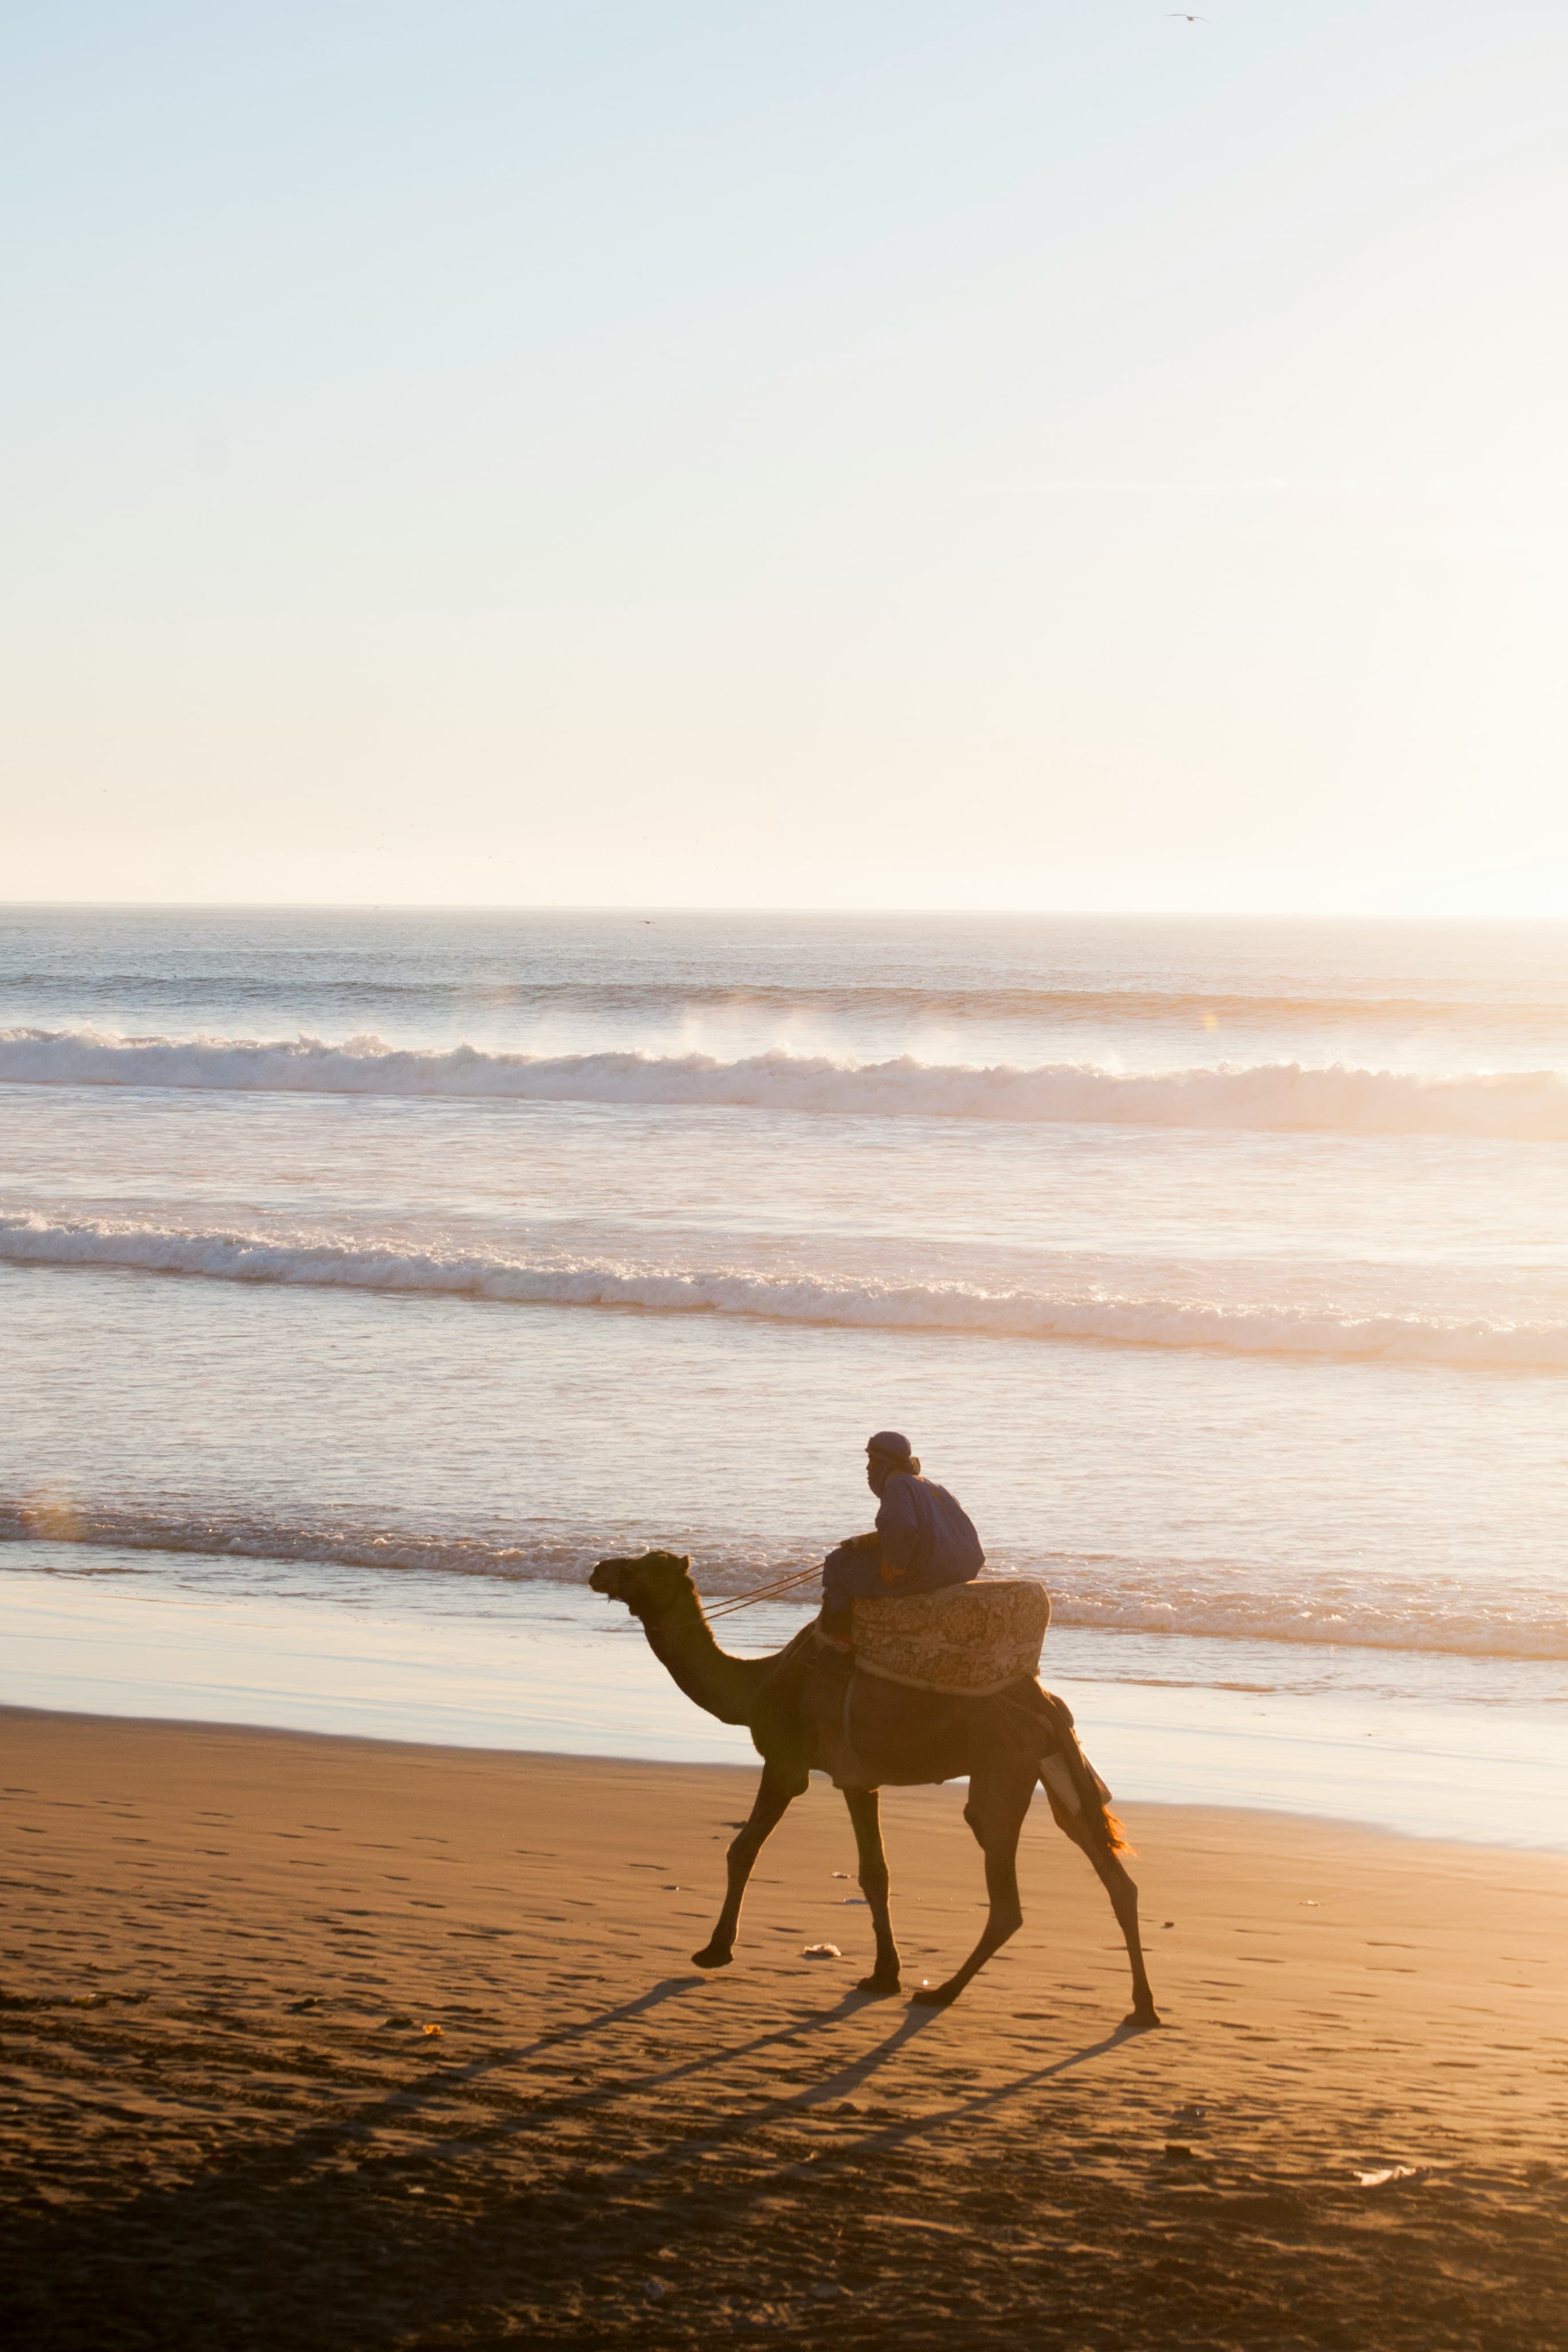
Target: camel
[{"x": 805, "y": 1713}]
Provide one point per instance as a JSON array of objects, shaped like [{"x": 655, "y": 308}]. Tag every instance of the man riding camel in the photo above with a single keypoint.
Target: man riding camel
[{"x": 923, "y": 1540}]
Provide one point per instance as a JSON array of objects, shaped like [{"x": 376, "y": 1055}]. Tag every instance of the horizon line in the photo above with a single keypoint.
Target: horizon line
[{"x": 650, "y": 907}]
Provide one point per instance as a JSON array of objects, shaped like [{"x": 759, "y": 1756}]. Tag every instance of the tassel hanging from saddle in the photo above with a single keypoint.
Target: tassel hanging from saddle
[{"x": 1078, "y": 1798}]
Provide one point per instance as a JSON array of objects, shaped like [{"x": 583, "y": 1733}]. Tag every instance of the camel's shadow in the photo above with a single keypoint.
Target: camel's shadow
[
  {"x": 731, "y": 2134},
  {"x": 836, "y": 2085},
  {"x": 913, "y": 2019},
  {"x": 709, "y": 2067},
  {"x": 666, "y": 1989}
]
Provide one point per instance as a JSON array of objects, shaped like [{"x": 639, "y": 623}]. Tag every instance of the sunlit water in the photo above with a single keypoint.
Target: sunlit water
[{"x": 382, "y": 1271}]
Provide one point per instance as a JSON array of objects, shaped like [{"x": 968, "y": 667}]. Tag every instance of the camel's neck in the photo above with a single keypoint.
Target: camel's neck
[{"x": 682, "y": 1641}]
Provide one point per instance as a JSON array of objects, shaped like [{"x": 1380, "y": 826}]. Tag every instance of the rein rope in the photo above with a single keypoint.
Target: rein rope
[{"x": 762, "y": 1593}]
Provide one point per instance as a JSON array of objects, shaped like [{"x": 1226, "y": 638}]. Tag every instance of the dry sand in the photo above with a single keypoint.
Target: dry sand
[{"x": 230, "y": 2123}]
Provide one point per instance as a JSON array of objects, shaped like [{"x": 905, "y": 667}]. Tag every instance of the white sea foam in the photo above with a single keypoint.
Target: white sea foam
[
  {"x": 1105, "y": 1594},
  {"x": 1530, "y": 1105},
  {"x": 1091, "y": 1315}
]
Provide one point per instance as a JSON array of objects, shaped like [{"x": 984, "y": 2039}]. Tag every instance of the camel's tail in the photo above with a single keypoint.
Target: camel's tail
[{"x": 1078, "y": 1797}]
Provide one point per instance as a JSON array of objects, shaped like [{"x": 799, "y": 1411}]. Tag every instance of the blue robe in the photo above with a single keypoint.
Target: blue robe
[{"x": 926, "y": 1539}]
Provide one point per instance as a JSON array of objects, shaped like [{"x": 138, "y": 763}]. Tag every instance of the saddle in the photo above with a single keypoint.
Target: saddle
[{"x": 967, "y": 1640}]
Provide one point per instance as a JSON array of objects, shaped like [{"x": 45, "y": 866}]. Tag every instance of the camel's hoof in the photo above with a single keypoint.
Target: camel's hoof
[
  {"x": 933, "y": 1997},
  {"x": 883, "y": 1985},
  {"x": 711, "y": 1956},
  {"x": 1145, "y": 2019}
]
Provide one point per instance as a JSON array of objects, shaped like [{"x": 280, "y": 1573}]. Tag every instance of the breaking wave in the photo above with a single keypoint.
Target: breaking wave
[
  {"x": 1091, "y": 1315},
  {"x": 1105, "y": 1594},
  {"x": 1531, "y": 1105},
  {"x": 49, "y": 1517}
]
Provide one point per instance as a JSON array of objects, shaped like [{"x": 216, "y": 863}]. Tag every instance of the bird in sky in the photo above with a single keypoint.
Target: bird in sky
[{"x": 1178, "y": 16}]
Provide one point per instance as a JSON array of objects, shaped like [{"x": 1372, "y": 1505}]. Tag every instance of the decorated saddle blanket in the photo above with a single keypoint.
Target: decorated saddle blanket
[{"x": 968, "y": 1640}]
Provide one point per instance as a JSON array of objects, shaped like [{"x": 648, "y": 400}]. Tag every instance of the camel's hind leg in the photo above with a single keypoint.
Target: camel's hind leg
[
  {"x": 995, "y": 1812},
  {"x": 1125, "y": 1903},
  {"x": 776, "y": 1792},
  {"x": 864, "y": 1813}
]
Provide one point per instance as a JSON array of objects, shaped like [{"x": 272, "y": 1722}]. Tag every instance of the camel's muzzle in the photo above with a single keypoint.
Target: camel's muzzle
[{"x": 606, "y": 1579}]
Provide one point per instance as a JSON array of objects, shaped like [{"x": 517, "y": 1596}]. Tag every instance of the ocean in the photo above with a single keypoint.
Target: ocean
[{"x": 366, "y": 1275}]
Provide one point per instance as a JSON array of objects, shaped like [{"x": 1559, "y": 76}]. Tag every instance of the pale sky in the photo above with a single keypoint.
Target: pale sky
[{"x": 786, "y": 452}]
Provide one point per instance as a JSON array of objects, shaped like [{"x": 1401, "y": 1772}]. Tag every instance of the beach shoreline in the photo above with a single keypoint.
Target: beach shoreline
[
  {"x": 1434, "y": 1746},
  {"x": 226, "y": 1946}
]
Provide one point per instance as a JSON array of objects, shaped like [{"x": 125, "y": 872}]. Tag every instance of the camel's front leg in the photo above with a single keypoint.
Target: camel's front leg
[
  {"x": 776, "y": 1792},
  {"x": 995, "y": 1812},
  {"x": 864, "y": 1813}
]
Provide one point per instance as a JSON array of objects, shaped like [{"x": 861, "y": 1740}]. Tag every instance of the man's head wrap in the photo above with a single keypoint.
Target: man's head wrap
[{"x": 893, "y": 1444}]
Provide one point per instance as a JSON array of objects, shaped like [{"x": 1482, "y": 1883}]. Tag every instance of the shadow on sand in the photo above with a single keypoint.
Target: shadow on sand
[{"x": 418, "y": 2213}]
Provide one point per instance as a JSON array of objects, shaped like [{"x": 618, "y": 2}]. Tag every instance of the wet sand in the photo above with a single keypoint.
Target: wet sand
[{"x": 328, "y": 2043}]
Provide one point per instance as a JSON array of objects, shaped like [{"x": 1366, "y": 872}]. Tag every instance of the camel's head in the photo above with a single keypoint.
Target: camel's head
[{"x": 648, "y": 1586}]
